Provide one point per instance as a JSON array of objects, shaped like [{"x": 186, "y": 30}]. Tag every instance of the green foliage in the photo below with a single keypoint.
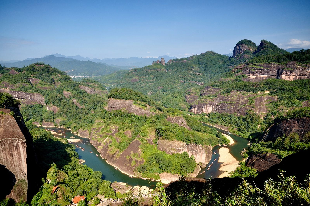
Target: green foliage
[
  {"x": 161, "y": 199},
  {"x": 282, "y": 191},
  {"x": 157, "y": 162},
  {"x": 244, "y": 171},
  {"x": 247, "y": 42},
  {"x": 245, "y": 126},
  {"x": 302, "y": 57},
  {"x": 6, "y": 101},
  {"x": 129, "y": 94},
  {"x": 58, "y": 161},
  {"x": 167, "y": 84}
]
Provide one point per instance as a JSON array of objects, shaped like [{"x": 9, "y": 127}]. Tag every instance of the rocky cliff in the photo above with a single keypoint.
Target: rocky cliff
[
  {"x": 299, "y": 126},
  {"x": 244, "y": 49},
  {"x": 13, "y": 154},
  {"x": 128, "y": 105},
  {"x": 201, "y": 154},
  {"x": 211, "y": 100},
  {"x": 257, "y": 72}
]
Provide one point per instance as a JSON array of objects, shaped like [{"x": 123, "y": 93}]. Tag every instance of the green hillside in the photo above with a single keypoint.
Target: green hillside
[
  {"x": 168, "y": 84},
  {"x": 83, "y": 106}
]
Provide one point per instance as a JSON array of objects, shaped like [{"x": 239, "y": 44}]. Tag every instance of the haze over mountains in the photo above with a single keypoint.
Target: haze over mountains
[{"x": 82, "y": 66}]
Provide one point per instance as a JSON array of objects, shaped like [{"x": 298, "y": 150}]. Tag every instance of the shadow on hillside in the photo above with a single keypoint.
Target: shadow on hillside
[{"x": 8, "y": 180}]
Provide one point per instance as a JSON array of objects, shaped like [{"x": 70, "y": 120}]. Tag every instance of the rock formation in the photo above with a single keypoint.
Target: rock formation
[
  {"x": 13, "y": 154},
  {"x": 24, "y": 97},
  {"x": 244, "y": 48},
  {"x": 201, "y": 154},
  {"x": 128, "y": 105},
  {"x": 299, "y": 126},
  {"x": 257, "y": 72},
  {"x": 233, "y": 103}
]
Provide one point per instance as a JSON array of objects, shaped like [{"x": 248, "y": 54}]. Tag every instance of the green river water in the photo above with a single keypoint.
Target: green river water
[{"x": 92, "y": 159}]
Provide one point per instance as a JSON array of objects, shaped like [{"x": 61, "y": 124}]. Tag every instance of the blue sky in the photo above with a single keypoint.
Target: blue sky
[{"x": 142, "y": 28}]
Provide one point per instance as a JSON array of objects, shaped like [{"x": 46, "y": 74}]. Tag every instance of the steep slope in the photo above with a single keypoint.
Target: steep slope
[
  {"x": 123, "y": 125},
  {"x": 168, "y": 83}
]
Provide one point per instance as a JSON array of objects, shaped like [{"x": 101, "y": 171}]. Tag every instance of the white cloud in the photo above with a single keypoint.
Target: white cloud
[{"x": 296, "y": 43}]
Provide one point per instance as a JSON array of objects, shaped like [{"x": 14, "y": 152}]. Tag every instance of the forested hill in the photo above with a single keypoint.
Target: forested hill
[
  {"x": 173, "y": 82},
  {"x": 125, "y": 126},
  {"x": 71, "y": 66},
  {"x": 168, "y": 83}
]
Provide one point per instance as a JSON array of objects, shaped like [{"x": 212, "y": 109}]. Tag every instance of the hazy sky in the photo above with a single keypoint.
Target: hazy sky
[{"x": 132, "y": 28}]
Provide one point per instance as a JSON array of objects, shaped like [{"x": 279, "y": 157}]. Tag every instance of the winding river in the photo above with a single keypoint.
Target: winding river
[
  {"x": 213, "y": 168},
  {"x": 92, "y": 158}
]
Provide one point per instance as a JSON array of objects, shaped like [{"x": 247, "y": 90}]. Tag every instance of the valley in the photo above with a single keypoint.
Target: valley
[{"x": 150, "y": 124}]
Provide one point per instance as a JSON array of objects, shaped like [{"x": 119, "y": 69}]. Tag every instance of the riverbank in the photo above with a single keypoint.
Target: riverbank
[
  {"x": 231, "y": 140},
  {"x": 228, "y": 162}
]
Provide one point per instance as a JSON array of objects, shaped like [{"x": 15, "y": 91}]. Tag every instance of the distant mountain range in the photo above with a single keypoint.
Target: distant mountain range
[
  {"x": 125, "y": 63},
  {"x": 82, "y": 66}
]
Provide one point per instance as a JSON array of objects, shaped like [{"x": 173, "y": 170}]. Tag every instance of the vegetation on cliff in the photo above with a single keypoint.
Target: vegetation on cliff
[
  {"x": 82, "y": 106},
  {"x": 163, "y": 91}
]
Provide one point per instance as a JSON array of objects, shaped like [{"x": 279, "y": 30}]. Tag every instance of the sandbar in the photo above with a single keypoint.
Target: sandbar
[
  {"x": 228, "y": 162},
  {"x": 231, "y": 140}
]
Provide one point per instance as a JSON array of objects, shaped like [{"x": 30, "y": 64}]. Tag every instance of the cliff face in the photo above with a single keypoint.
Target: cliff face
[
  {"x": 24, "y": 97},
  {"x": 13, "y": 154},
  {"x": 234, "y": 102},
  {"x": 128, "y": 105},
  {"x": 299, "y": 126},
  {"x": 244, "y": 49},
  {"x": 257, "y": 72},
  {"x": 202, "y": 154}
]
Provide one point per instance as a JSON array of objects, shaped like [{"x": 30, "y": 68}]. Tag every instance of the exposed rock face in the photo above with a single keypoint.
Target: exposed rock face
[
  {"x": 52, "y": 108},
  {"x": 179, "y": 120},
  {"x": 121, "y": 104},
  {"x": 262, "y": 162},
  {"x": 13, "y": 154},
  {"x": 300, "y": 126},
  {"x": 91, "y": 90},
  {"x": 291, "y": 71},
  {"x": 242, "y": 47},
  {"x": 83, "y": 133},
  {"x": 120, "y": 160},
  {"x": 26, "y": 98},
  {"x": 234, "y": 102},
  {"x": 202, "y": 154}
]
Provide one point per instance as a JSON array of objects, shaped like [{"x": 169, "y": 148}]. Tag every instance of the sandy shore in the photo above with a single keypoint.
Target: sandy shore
[
  {"x": 231, "y": 140},
  {"x": 229, "y": 163}
]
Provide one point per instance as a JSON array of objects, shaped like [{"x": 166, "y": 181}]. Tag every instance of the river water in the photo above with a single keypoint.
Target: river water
[
  {"x": 212, "y": 169},
  {"x": 92, "y": 158}
]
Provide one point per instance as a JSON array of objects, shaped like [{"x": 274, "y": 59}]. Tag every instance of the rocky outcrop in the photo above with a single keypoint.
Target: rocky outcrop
[
  {"x": 262, "y": 162},
  {"x": 120, "y": 160},
  {"x": 13, "y": 154},
  {"x": 26, "y": 98},
  {"x": 179, "y": 121},
  {"x": 92, "y": 91},
  {"x": 258, "y": 72},
  {"x": 233, "y": 103},
  {"x": 201, "y": 154},
  {"x": 121, "y": 104},
  {"x": 243, "y": 48},
  {"x": 299, "y": 126}
]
